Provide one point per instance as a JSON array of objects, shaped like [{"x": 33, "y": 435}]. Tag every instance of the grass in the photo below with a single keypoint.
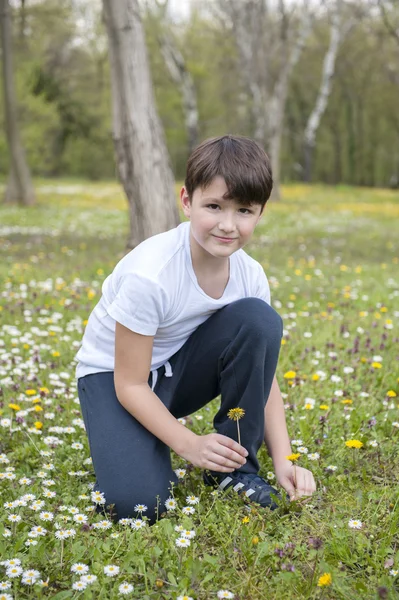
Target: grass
[{"x": 331, "y": 256}]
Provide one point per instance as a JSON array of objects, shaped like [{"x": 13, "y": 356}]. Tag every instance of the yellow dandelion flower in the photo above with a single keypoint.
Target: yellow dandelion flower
[
  {"x": 245, "y": 520},
  {"x": 293, "y": 457},
  {"x": 38, "y": 424},
  {"x": 255, "y": 540},
  {"x": 391, "y": 394},
  {"x": 347, "y": 401},
  {"x": 236, "y": 413},
  {"x": 325, "y": 579},
  {"x": 91, "y": 294},
  {"x": 85, "y": 322},
  {"x": 324, "y": 406},
  {"x": 289, "y": 375},
  {"x": 353, "y": 443},
  {"x": 30, "y": 392},
  {"x": 44, "y": 389},
  {"x": 36, "y": 400},
  {"x": 55, "y": 353},
  {"x": 315, "y": 377},
  {"x": 37, "y": 408},
  {"x": 383, "y": 309},
  {"x": 14, "y": 406},
  {"x": 376, "y": 365}
]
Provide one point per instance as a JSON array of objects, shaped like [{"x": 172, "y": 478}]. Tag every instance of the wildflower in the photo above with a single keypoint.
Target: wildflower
[
  {"x": 325, "y": 579},
  {"x": 182, "y": 542},
  {"x": 104, "y": 524},
  {"x": 30, "y": 542},
  {"x": 293, "y": 457},
  {"x": 70, "y": 532},
  {"x": 192, "y": 500},
  {"x": 46, "y": 516},
  {"x": 394, "y": 572},
  {"x": 184, "y": 598},
  {"x": 14, "y": 406},
  {"x": 88, "y": 578},
  {"x": 98, "y": 497},
  {"x": 14, "y": 518},
  {"x": 11, "y": 562},
  {"x": 287, "y": 375},
  {"x": 355, "y": 524},
  {"x": 14, "y": 571},
  {"x": 140, "y": 508},
  {"x": 179, "y": 528},
  {"x": 235, "y": 414},
  {"x": 125, "y": 521},
  {"x": 188, "y": 510},
  {"x": 25, "y": 481},
  {"x": 180, "y": 473},
  {"x": 79, "y": 568},
  {"x": 373, "y": 443},
  {"x": 111, "y": 570},
  {"x": 125, "y": 588},
  {"x": 61, "y": 534},
  {"x": 5, "y": 585},
  {"x": 5, "y": 597},
  {"x": 189, "y": 534},
  {"x": 79, "y": 518},
  {"x": 138, "y": 524},
  {"x": 225, "y": 594},
  {"x": 354, "y": 443},
  {"x": 170, "y": 504},
  {"x": 391, "y": 394},
  {"x": 324, "y": 406},
  {"x": 302, "y": 450},
  {"x": 313, "y": 456},
  {"x": 79, "y": 585},
  {"x": 245, "y": 520},
  {"x": 331, "y": 467},
  {"x": 270, "y": 475}
]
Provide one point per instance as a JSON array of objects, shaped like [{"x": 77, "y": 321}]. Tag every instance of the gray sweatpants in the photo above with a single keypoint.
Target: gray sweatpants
[{"x": 234, "y": 354}]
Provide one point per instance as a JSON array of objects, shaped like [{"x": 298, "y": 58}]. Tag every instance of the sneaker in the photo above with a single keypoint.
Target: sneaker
[{"x": 250, "y": 485}]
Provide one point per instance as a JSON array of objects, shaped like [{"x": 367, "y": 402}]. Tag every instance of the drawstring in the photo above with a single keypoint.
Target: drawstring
[{"x": 154, "y": 373}]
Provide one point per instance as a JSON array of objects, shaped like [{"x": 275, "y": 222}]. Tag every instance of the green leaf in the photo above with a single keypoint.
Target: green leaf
[
  {"x": 62, "y": 595},
  {"x": 172, "y": 579}
]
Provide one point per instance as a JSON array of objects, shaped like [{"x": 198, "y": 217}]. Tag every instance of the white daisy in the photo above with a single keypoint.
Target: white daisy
[
  {"x": 46, "y": 516},
  {"x": 88, "y": 578},
  {"x": 170, "y": 504},
  {"x": 5, "y": 585},
  {"x": 192, "y": 499},
  {"x": 313, "y": 456},
  {"x": 138, "y": 524},
  {"x": 111, "y": 570},
  {"x": 187, "y": 533},
  {"x": 14, "y": 518},
  {"x": 79, "y": 585},
  {"x": 140, "y": 508},
  {"x": 125, "y": 588},
  {"x": 355, "y": 524},
  {"x": 182, "y": 542},
  {"x": 14, "y": 571},
  {"x": 80, "y": 568},
  {"x": 180, "y": 473},
  {"x": 188, "y": 510},
  {"x": 98, "y": 497},
  {"x": 79, "y": 518},
  {"x": 225, "y": 594}
]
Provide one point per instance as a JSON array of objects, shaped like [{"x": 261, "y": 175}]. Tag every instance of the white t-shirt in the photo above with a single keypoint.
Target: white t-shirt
[{"x": 153, "y": 290}]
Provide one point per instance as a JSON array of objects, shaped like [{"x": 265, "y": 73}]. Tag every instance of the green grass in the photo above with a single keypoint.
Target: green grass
[{"x": 331, "y": 256}]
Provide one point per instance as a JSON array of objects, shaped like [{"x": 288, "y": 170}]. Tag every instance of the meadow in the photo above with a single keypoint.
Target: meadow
[{"x": 332, "y": 259}]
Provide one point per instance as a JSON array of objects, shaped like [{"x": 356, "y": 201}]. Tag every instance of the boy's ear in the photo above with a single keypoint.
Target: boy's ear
[{"x": 185, "y": 201}]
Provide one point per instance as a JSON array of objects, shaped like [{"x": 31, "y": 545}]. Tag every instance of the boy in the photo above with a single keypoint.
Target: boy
[{"x": 184, "y": 317}]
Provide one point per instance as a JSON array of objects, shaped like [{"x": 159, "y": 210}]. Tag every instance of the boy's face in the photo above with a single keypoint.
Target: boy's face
[{"x": 213, "y": 217}]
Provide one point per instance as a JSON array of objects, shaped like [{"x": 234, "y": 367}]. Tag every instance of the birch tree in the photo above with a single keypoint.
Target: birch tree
[
  {"x": 340, "y": 27},
  {"x": 259, "y": 50},
  {"x": 20, "y": 188},
  {"x": 141, "y": 153}
]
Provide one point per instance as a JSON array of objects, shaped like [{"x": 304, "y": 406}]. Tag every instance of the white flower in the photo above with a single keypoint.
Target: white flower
[
  {"x": 46, "y": 516},
  {"x": 111, "y": 570},
  {"x": 11, "y": 562},
  {"x": 313, "y": 456},
  {"x": 98, "y": 497},
  {"x": 125, "y": 521},
  {"x": 187, "y": 533},
  {"x": 170, "y": 504},
  {"x": 5, "y": 585},
  {"x": 140, "y": 508},
  {"x": 79, "y": 585},
  {"x": 61, "y": 534},
  {"x": 395, "y": 424},
  {"x": 5, "y": 597},
  {"x": 125, "y": 588},
  {"x": 331, "y": 467},
  {"x": 30, "y": 542},
  {"x": 14, "y": 518},
  {"x": 79, "y": 568},
  {"x": 184, "y": 598},
  {"x": 373, "y": 443},
  {"x": 79, "y": 518},
  {"x": 188, "y": 510},
  {"x": 302, "y": 450},
  {"x": 179, "y": 528},
  {"x": 25, "y": 481},
  {"x": 348, "y": 370},
  {"x": 192, "y": 499},
  {"x": 14, "y": 571},
  {"x": 182, "y": 542},
  {"x": 300, "y": 442},
  {"x": 394, "y": 572},
  {"x": 180, "y": 473},
  {"x": 104, "y": 524},
  {"x": 88, "y": 578},
  {"x": 355, "y": 524},
  {"x": 138, "y": 524},
  {"x": 225, "y": 594}
]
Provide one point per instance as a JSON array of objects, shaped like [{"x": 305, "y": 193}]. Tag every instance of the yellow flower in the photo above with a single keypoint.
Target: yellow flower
[
  {"x": 159, "y": 583},
  {"x": 354, "y": 443},
  {"x": 308, "y": 406},
  {"x": 347, "y": 401},
  {"x": 255, "y": 540},
  {"x": 315, "y": 377},
  {"x": 293, "y": 457},
  {"x": 391, "y": 394},
  {"x": 91, "y": 294},
  {"x": 325, "y": 579},
  {"x": 289, "y": 375},
  {"x": 38, "y": 424},
  {"x": 376, "y": 365},
  {"x": 14, "y": 406},
  {"x": 37, "y": 408},
  {"x": 55, "y": 353},
  {"x": 235, "y": 414},
  {"x": 44, "y": 389},
  {"x": 30, "y": 392},
  {"x": 324, "y": 406},
  {"x": 245, "y": 520}
]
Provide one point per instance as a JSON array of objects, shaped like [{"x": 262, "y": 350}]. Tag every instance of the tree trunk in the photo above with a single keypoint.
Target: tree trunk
[
  {"x": 178, "y": 71},
  {"x": 141, "y": 153},
  {"x": 20, "y": 188}
]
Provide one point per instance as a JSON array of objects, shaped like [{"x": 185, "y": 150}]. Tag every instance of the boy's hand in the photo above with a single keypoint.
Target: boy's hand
[
  {"x": 297, "y": 481},
  {"x": 215, "y": 452}
]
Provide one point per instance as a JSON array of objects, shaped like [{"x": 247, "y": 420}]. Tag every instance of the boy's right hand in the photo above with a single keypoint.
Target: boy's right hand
[{"x": 215, "y": 452}]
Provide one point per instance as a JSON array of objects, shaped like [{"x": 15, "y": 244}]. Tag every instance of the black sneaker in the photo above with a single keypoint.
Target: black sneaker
[{"x": 250, "y": 485}]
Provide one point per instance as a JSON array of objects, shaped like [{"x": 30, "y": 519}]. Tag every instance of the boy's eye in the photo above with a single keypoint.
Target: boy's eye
[{"x": 217, "y": 206}]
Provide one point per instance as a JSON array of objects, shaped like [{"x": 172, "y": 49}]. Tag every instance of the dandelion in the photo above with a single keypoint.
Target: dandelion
[
  {"x": 324, "y": 580},
  {"x": 111, "y": 570},
  {"x": 125, "y": 588},
  {"x": 355, "y": 524},
  {"x": 235, "y": 414},
  {"x": 353, "y": 443},
  {"x": 293, "y": 457},
  {"x": 182, "y": 542},
  {"x": 225, "y": 594},
  {"x": 287, "y": 375}
]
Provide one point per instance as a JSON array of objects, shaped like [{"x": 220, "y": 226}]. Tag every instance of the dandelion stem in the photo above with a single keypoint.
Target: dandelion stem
[{"x": 238, "y": 430}]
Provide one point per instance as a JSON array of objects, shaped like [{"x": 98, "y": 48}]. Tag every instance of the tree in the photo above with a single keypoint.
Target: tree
[
  {"x": 141, "y": 154},
  {"x": 20, "y": 187}
]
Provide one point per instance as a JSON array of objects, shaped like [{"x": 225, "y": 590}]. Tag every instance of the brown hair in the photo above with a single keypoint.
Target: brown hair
[{"x": 242, "y": 163}]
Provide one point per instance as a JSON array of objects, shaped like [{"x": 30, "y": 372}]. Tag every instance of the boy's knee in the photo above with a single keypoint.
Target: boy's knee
[{"x": 259, "y": 317}]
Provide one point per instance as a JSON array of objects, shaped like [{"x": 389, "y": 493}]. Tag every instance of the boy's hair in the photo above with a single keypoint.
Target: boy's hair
[{"x": 242, "y": 163}]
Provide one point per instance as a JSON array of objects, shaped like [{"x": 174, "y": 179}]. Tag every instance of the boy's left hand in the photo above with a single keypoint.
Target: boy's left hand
[{"x": 297, "y": 481}]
